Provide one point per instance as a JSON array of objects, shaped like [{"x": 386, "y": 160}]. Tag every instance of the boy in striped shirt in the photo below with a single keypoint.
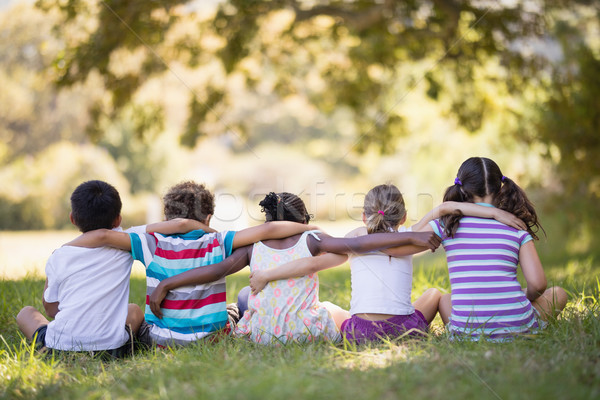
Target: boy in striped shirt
[{"x": 193, "y": 312}]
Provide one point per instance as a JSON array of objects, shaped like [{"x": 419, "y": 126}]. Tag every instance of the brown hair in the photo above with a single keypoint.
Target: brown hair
[
  {"x": 480, "y": 176},
  {"x": 384, "y": 208},
  {"x": 189, "y": 200}
]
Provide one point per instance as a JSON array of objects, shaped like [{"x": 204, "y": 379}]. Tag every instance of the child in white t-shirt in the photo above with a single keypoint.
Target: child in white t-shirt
[{"x": 87, "y": 290}]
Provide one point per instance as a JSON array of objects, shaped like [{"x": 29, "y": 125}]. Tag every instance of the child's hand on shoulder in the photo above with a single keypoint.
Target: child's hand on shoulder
[
  {"x": 509, "y": 219},
  {"x": 426, "y": 239}
]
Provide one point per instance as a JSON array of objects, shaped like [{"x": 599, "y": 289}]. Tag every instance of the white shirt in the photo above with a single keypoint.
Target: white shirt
[
  {"x": 92, "y": 288},
  {"x": 381, "y": 284}
]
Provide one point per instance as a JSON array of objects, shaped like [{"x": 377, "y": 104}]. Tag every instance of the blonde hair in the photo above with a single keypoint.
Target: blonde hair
[{"x": 384, "y": 208}]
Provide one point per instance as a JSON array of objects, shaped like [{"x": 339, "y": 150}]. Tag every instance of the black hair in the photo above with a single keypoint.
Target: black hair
[
  {"x": 284, "y": 207},
  {"x": 189, "y": 200},
  {"x": 94, "y": 205},
  {"x": 384, "y": 208},
  {"x": 480, "y": 176}
]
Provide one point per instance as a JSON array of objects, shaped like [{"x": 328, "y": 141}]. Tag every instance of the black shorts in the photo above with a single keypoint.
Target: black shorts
[{"x": 39, "y": 338}]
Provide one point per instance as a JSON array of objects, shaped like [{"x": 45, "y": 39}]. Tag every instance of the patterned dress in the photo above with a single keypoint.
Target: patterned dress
[
  {"x": 289, "y": 309},
  {"x": 487, "y": 298}
]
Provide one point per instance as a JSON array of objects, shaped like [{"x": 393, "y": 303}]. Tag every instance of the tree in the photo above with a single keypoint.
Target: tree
[
  {"x": 353, "y": 55},
  {"x": 335, "y": 53}
]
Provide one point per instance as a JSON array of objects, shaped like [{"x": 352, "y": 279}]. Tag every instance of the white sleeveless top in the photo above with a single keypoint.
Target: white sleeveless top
[{"x": 381, "y": 284}]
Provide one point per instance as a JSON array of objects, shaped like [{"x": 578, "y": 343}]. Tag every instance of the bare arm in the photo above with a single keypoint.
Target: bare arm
[
  {"x": 375, "y": 241},
  {"x": 209, "y": 273},
  {"x": 472, "y": 210},
  {"x": 532, "y": 271},
  {"x": 102, "y": 237},
  {"x": 269, "y": 230},
  {"x": 399, "y": 251},
  {"x": 178, "y": 225},
  {"x": 296, "y": 268},
  {"x": 50, "y": 308}
]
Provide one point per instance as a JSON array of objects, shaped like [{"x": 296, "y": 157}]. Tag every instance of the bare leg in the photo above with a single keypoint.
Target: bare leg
[
  {"x": 551, "y": 303},
  {"x": 338, "y": 314},
  {"x": 445, "y": 308},
  {"x": 30, "y": 320},
  {"x": 242, "y": 300},
  {"x": 428, "y": 303},
  {"x": 135, "y": 316}
]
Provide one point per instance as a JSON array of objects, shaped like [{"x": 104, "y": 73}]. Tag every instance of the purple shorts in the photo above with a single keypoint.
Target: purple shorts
[{"x": 360, "y": 330}]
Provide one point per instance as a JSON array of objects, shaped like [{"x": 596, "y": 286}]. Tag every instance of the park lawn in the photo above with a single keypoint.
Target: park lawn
[{"x": 561, "y": 362}]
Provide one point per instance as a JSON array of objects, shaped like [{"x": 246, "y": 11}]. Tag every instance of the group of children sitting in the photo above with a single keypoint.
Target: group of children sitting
[{"x": 486, "y": 226}]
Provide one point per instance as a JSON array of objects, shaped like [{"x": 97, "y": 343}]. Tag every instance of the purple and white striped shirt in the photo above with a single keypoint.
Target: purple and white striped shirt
[{"x": 487, "y": 298}]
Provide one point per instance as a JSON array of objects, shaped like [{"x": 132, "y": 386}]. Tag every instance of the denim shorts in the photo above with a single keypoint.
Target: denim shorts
[{"x": 39, "y": 337}]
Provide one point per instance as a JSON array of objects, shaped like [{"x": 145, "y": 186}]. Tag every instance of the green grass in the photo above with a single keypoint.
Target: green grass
[{"x": 561, "y": 362}]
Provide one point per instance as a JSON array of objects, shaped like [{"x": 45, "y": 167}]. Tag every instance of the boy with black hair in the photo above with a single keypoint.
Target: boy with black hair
[
  {"x": 87, "y": 290},
  {"x": 194, "y": 312}
]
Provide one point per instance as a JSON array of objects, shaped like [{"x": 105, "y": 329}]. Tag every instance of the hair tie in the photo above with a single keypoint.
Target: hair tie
[
  {"x": 457, "y": 181},
  {"x": 381, "y": 212},
  {"x": 504, "y": 178}
]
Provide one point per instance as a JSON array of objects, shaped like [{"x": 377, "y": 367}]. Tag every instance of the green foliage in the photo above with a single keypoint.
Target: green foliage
[
  {"x": 33, "y": 113},
  {"x": 337, "y": 54},
  {"x": 37, "y": 196}
]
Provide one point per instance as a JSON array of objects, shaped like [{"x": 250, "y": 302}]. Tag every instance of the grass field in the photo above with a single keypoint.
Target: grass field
[{"x": 561, "y": 362}]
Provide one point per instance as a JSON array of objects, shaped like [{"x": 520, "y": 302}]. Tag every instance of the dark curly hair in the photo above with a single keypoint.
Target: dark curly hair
[
  {"x": 94, "y": 205},
  {"x": 480, "y": 176},
  {"x": 284, "y": 207},
  {"x": 189, "y": 200}
]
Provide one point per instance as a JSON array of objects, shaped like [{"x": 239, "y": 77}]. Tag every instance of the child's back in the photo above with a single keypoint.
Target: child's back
[
  {"x": 486, "y": 296},
  {"x": 92, "y": 288},
  {"x": 289, "y": 309},
  {"x": 381, "y": 284},
  {"x": 191, "y": 312}
]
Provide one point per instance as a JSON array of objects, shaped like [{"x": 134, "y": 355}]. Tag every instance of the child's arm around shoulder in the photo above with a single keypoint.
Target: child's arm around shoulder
[
  {"x": 374, "y": 241},
  {"x": 121, "y": 240},
  {"x": 102, "y": 237},
  {"x": 178, "y": 225},
  {"x": 269, "y": 230},
  {"x": 300, "y": 267},
  {"x": 399, "y": 251},
  {"x": 470, "y": 209}
]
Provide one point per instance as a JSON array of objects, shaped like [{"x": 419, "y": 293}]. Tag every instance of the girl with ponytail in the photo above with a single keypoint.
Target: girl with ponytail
[
  {"x": 381, "y": 304},
  {"x": 483, "y": 256}
]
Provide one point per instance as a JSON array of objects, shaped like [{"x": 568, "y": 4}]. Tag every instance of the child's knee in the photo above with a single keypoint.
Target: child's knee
[
  {"x": 25, "y": 314},
  {"x": 134, "y": 309},
  {"x": 560, "y": 297},
  {"x": 433, "y": 293},
  {"x": 446, "y": 299}
]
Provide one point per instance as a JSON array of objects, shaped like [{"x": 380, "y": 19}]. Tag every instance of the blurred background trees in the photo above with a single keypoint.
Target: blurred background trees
[{"x": 356, "y": 92}]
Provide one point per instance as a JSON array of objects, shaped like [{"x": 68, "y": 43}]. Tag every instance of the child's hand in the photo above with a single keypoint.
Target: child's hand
[
  {"x": 426, "y": 239},
  {"x": 509, "y": 219},
  {"x": 257, "y": 282},
  {"x": 156, "y": 299}
]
